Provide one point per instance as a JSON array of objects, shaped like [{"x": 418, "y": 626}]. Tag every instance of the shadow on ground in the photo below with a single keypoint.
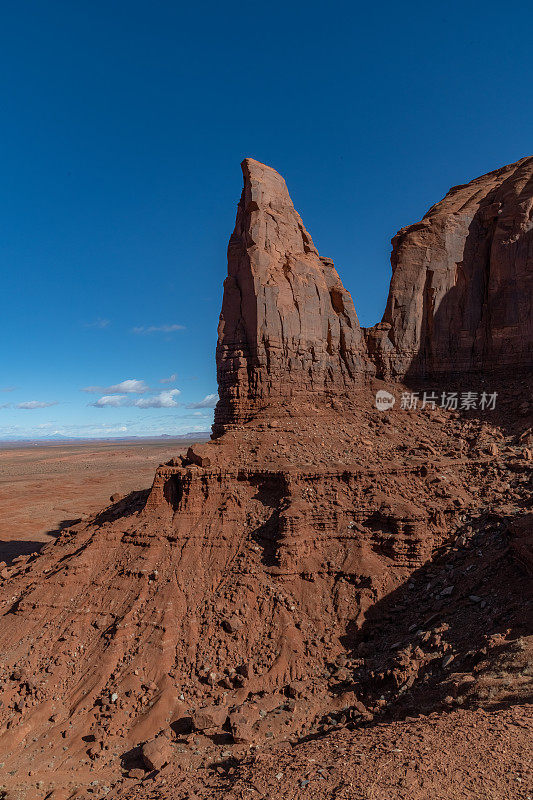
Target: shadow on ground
[{"x": 13, "y": 549}]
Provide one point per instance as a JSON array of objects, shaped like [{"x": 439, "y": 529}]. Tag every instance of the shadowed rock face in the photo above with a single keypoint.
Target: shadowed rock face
[
  {"x": 288, "y": 326},
  {"x": 461, "y": 292}
]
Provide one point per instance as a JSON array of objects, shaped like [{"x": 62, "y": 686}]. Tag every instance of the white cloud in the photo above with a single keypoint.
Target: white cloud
[
  {"x": 98, "y": 323},
  {"x": 129, "y": 386},
  {"x": 110, "y": 401},
  {"x": 31, "y": 404},
  {"x": 158, "y": 328},
  {"x": 166, "y": 399},
  {"x": 7, "y": 388},
  {"x": 171, "y": 378},
  {"x": 209, "y": 401}
]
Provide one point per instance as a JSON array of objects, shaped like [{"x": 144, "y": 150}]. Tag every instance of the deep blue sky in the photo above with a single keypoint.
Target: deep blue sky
[{"x": 122, "y": 126}]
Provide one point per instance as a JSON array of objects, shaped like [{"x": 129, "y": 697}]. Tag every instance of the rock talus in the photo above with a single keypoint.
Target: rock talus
[
  {"x": 461, "y": 293},
  {"x": 288, "y": 326}
]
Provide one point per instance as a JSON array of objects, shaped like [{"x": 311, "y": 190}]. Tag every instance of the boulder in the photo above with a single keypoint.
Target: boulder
[
  {"x": 199, "y": 454},
  {"x": 241, "y": 723},
  {"x": 156, "y": 753},
  {"x": 210, "y": 717}
]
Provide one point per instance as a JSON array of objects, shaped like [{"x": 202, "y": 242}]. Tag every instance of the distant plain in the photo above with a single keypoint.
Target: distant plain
[{"x": 44, "y": 487}]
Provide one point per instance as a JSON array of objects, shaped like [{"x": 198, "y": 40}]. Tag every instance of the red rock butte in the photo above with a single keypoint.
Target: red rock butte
[
  {"x": 460, "y": 299},
  {"x": 320, "y": 564}
]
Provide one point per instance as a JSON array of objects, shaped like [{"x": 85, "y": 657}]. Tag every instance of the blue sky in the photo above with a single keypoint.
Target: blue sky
[{"x": 122, "y": 126}]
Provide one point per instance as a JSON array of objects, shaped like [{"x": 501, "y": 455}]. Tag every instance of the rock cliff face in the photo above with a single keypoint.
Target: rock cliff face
[
  {"x": 461, "y": 293},
  {"x": 288, "y": 326}
]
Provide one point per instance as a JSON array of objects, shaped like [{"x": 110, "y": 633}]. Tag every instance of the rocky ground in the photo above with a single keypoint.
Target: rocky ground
[
  {"x": 432, "y": 621},
  {"x": 461, "y": 754}
]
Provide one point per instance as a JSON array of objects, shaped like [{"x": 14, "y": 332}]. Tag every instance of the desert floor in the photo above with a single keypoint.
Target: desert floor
[{"x": 45, "y": 487}]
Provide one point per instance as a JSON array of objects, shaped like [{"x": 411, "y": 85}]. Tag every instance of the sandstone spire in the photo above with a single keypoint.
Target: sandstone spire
[
  {"x": 288, "y": 326},
  {"x": 461, "y": 293}
]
